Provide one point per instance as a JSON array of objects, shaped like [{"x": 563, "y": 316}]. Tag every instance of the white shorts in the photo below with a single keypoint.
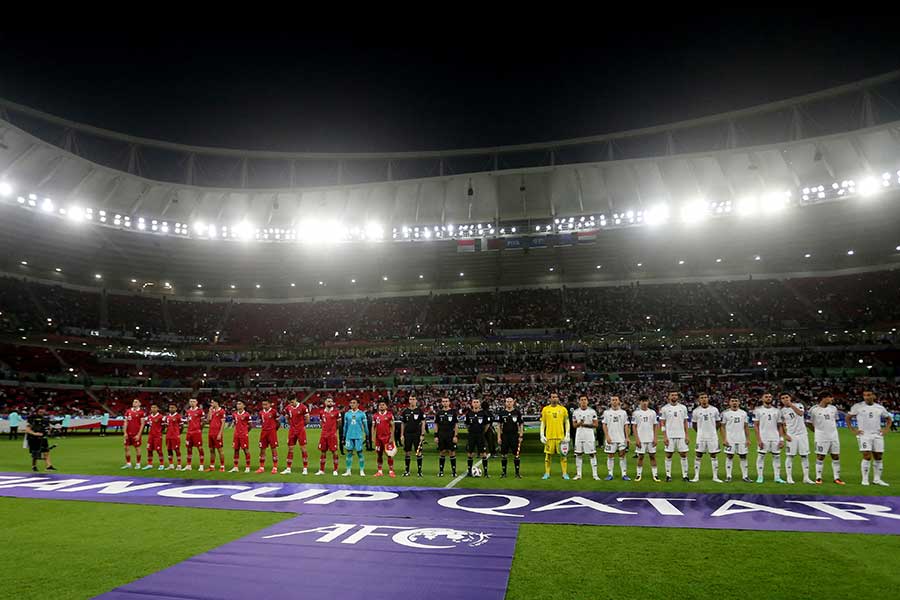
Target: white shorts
[
  {"x": 614, "y": 447},
  {"x": 585, "y": 446},
  {"x": 871, "y": 443},
  {"x": 799, "y": 445},
  {"x": 831, "y": 447},
  {"x": 739, "y": 448},
  {"x": 709, "y": 446},
  {"x": 677, "y": 445},
  {"x": 646, "y": 448},
  {"x": 770, "y": 447}
]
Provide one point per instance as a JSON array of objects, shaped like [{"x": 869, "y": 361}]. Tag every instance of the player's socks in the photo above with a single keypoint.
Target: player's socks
[
  {"x": 639, "y": 471},
  {"x": 654, "y": 472},
  {"x": 453, "y": 465},
  {"x": 697, "y": 469},
  {"x": 469, "y": 466},
  {"x": 349, "y": 461},
  {"x": 684, "y": 466},
  {"x": 668, "y": 467},
  {"x": 715, "y": 467},
  {"x": 305, "y": 458},
  {"x": 564, "y": 465},
  {"x": 390, "y": 463},
  {"x": 517, "y": 463},
  {"x": 878, "y": 468},
  {"x": 578, "y": 461},
  {"x": 547, "y": 464},
  {"x": 729, "y": 466},
  {"x": 760, "y": 464},
  {"x": 789, "y": 469},
  {"x": 745, "y": 467},
  {"x": 362, "y": 462},
  {"x": 864, "y": 468},
  {"x": 334, "y": 461},
  {"x": 290, "y": 458},
  {"x": 836, "y": 469},
  {"x": 441, "y": 462},
  {"x": 623, "y": 466},
  {"x": 820, "y": 466},
  {"x": 484, "y": 463},
  {"x": 804, "y": 466},
  {"x": 201, "y": 457},
  {"x": 406, "y": 461},
  {"x": 776, "y": 466},
  {"x": 610, "y": 465},
  {"x": 322, "y": 464}
]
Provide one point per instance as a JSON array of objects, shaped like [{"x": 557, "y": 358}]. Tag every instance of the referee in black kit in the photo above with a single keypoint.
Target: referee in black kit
[{"x": 37, "y": 432}]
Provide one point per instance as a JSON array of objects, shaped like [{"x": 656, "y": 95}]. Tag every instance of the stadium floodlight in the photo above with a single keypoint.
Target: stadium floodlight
[
  {"x": 551, "y": 269},
  {"x": 232, "y": 286},
  {"x": 461, "y": 274},
  {"x": 258, "y": 286},
  {"x": 20, "y": 200},
  {"x": 47, "y": 205},
  {"x": 384, "y": 278},
  {"x": 200, "y": 228},
  {"x": 681, "y": 261},
  {"x": 718, "y": 260},
  {"x": 24, "y": 263},
  {"x": 134, "y": 281},
  {"x": 421, "y": 276},
  {"x": 243, "y": 230},
  {"x": 694, "y": 212},
  {"x": 599, "y": 266},
  {"x": 98, "y": 276},
  {"x": 869, "y": 186},
  {"x": 353, "y": 281},
  {"x": 374, "y": 231},
  {"x": 655, "y": 215},
  {"x": 6, "y": 189},
  {"x": 774, "y": 202},
  {"x": 807, "y": 255},
  {"x": 757, "y": 257},
  {"x": 850, "y": 252},
  {"x": 640, "y": 264},
  {"x": 211, "y": 231},
  {"x": 58, "y": 270},
  {"x": 321, "y": 283}
]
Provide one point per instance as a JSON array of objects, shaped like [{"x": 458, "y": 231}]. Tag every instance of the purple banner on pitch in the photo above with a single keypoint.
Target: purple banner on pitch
[
  {"x": 351, "y": 559},
  {"x": 854, "y": 514}
]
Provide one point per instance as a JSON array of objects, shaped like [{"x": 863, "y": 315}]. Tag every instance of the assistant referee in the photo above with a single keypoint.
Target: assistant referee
[{"x": 38, "y": 430}]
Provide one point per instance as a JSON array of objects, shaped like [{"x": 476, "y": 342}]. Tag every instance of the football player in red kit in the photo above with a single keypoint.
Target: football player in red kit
[
  {"x": 216, "y": 419},
  {"x": 241, "y": 439},
  {"x": 383, "y": 434},
  {"x": 268, "y": 436},
  {"x": 297, "y": 416},
  {"x": 173, "y": 435},
  {"x": 134, "y": 426},
  {"x": 330, "y": 420},
  {"x": 154, "y": 439},
  {"x": 194, "y": 433}
]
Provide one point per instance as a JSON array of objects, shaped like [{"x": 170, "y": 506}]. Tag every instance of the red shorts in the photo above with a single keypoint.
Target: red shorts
[
  {"x": 240, "y": 442},
  {"x": 133, "y": 440},
  {"x": 213, "y": 441},
  {"x": 154, "y": 444},
  {"x": 382, "y": 443},
  {"x": 328, "y": 443},
  {"x": 296, "y": 437},
  {"x": 173, "y": 443},
  {"x": 194, "y": 439},
  {"x": 268, "y": 439}
]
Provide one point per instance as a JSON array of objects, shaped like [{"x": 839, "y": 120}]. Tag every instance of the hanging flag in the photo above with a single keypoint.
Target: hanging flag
[
  {"x": 587, "y": 237},
  {"x": 466, "y": 245}
]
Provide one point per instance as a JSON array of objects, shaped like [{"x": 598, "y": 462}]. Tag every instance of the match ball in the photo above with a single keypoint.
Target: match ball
[{"x": 476, "y": 471}]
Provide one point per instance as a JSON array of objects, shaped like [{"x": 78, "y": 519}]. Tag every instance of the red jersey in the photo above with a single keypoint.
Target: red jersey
[
  {"x": 269, "y": 419},
  {"x": 133, "y": 425},
  {"x": 173, "y": 425},
  {"x": 241, "y": 423},
  {"x": 156, "y": 423},
  {"x": 216, "y": 418},
  {"x": 329, "y": 420},
  {"x": 384, "y": 424},
  {"x": 195, "y": 420},
  {"x": 296, "y": 416}
]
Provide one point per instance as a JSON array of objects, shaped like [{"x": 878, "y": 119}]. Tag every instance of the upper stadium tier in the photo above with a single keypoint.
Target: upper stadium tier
[{"x": 804, "y": 184}]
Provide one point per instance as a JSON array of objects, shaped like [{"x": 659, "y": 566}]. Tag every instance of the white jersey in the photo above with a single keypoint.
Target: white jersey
[
  {"x": 584, "y": 417},
  {"x": 824, "y": 420},
  {"x": 768, "y": 419},
  {"x": 615, "y": 424},
  {"x": 868, "y": 417},
  {"x": 734, "y": 421},
  {"x": 644, "y": 421},
  {"x": 675, "y": 416},
  {"x": 707, "y": 421},
  {"x": 794, "y": 424}
]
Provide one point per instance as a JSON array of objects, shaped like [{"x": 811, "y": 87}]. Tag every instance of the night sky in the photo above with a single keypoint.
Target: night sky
[{"x": 366, "y": 92}]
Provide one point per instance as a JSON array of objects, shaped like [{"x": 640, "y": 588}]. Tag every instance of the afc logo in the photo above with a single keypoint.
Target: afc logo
[{"x": 430, "y": 538}]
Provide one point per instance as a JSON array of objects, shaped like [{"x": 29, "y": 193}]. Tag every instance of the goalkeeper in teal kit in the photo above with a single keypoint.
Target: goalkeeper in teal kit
[{"x": 355, "y": 426}]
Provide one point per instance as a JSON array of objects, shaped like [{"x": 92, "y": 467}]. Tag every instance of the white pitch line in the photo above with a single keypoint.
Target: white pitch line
[{"x": 461, "y": 477}]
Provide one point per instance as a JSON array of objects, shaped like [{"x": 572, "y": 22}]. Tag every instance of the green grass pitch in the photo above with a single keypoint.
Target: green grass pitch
[{"x": 74, "y": 548}]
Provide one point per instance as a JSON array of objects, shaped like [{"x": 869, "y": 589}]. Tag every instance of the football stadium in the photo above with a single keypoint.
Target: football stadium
[{"x": 660, "y": 361}]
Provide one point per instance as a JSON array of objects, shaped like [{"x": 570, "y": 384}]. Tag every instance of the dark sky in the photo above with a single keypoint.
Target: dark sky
[{"x": 367, "y": 92}]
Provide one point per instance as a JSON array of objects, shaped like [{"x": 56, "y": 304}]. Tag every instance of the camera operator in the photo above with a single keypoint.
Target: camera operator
[{"x": 37, "y": 431}]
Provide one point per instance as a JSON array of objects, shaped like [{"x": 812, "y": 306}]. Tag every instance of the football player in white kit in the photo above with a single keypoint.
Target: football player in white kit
[
  {"x": 793, "y": 413},
  {"x": 769, "y": 436},
  {"x": 645, "y": 426},
  {"x": 615, "y": 432},
  {"x": 736, "y": 432},
  {"x": 675, "y": 416},
  {"x": 706, "y": 421},
  {"x": 823, "y": 422},
  {"x": 870, "y": 434},
  {"x": 585, "y": 421}
]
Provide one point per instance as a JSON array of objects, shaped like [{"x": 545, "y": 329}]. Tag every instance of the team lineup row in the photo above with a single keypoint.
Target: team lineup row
[{"x": 776, "y": 429}]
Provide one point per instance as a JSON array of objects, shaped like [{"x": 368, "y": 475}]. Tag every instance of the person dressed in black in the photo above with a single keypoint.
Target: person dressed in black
[
  {"x": 369, "y": 447},
  {"x": 446, "y": 436},
  {"x": 38, "y": 430},
  {"x": 341, "y": 433},
  {"x": 412, "y": 433},
  {"x": 478, "y": 421},
  {"x": 512, "y": 431}
]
